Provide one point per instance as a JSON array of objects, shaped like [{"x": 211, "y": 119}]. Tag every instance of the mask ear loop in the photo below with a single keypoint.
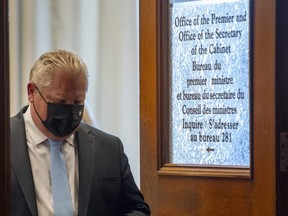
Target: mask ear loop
[
  {"x": 41, "y": 94},
  {"x": 34, "y": 104}
]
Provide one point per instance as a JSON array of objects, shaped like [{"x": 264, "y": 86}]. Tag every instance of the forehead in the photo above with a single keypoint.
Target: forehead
[{"x": 66, "y": 85}]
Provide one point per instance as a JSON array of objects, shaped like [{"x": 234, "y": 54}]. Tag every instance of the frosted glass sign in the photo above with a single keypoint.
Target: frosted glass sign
[{"x": 210, "y": 82}]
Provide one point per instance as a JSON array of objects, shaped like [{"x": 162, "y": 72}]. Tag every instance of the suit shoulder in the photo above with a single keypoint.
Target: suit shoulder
[
  {"x": 99, "y": 134},
  {"x": 16, "y": 121}
]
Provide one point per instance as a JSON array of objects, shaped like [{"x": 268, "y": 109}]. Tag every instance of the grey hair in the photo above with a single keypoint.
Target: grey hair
[{"x": 61, "y": 60}]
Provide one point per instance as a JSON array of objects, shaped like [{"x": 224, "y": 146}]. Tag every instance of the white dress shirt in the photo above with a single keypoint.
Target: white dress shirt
[{"x": 39, "y": 154}]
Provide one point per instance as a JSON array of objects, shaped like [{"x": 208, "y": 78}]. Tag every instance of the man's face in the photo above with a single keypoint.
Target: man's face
[{"x": 64, "y": 89}]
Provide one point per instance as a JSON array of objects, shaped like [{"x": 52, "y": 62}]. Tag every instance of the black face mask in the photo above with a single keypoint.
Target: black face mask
[{"x": 62, "y": 119}]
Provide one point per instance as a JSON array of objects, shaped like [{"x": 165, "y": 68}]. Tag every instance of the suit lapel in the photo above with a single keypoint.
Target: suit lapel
[
  {"x": 86, "y": 152},
  {"x": 21, "y": 163}
]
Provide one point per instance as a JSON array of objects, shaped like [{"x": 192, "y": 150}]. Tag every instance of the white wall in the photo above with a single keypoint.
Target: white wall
[{"x": 105, "y": 34}]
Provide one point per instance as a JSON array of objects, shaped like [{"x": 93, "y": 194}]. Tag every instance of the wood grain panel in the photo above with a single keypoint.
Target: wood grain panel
[{"x": 148, "y": 105}]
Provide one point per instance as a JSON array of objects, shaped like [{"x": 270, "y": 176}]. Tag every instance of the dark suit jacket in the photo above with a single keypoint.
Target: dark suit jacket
[{"x": 106, "y": 185}]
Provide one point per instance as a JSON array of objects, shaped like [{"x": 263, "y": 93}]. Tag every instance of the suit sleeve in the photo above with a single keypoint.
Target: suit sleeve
[{"x": 132, "y": 202}]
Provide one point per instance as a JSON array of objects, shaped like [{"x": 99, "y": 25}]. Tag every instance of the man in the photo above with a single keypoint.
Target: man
[{"x": 89, "y": 174}]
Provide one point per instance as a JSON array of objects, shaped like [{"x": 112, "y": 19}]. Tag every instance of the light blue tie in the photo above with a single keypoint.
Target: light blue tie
[{"x": 60, "y": 186}]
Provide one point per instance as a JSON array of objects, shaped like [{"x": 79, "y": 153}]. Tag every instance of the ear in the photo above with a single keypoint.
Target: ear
[{"x": 31, "y": 88}]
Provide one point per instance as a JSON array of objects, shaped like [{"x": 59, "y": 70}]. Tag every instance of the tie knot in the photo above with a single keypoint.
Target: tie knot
[{"x": 54, "y": 142}]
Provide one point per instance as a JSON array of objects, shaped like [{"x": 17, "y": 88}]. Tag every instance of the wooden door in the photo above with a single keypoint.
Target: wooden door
[{"x": 174, "y": 195}]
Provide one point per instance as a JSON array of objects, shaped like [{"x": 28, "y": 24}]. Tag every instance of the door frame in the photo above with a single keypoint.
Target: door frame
[{"x": 4, "y": 113}]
